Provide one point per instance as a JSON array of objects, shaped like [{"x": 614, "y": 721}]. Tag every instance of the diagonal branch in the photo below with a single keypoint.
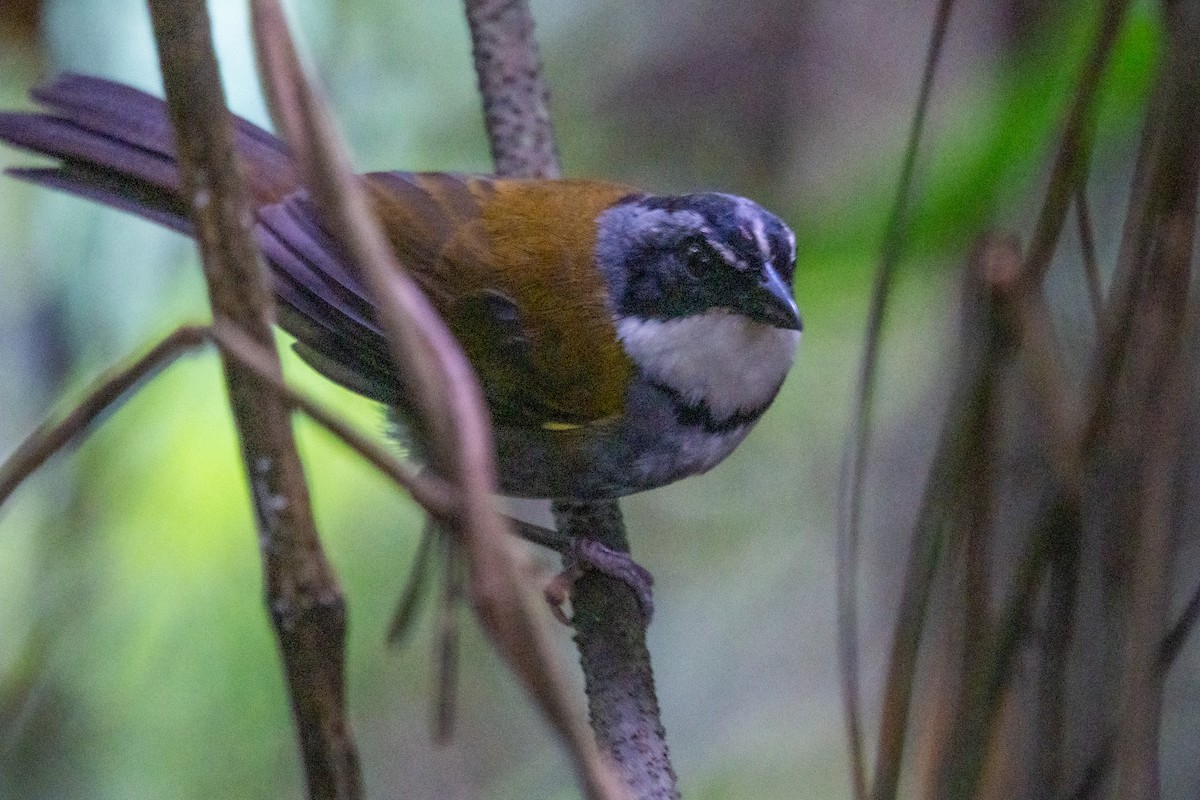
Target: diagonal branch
[
  {"x": 451, "y": 410},
  {"x": 1075, "y": 149},
  {"x": 303, "y": 596},
  {"x": 434, "y": 495},
  {"x": 107, "y": 394},
  {"x": 854, "y": 461}
]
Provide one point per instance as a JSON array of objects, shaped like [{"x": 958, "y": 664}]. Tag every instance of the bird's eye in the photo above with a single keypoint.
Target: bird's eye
[{"x": 699, "y": 256}]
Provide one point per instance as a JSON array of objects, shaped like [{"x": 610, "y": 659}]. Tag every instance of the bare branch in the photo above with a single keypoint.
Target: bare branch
[
  {"x": 516, "y": 107},
  {"x": 854, "y": 460},
  {"x": 108, "y": 393},
  {"x": 1098, "y": 766},
  {"x": 1075, "y": 149},
  {"x": 302, "y": 593},
  {"x": 104, "y": 396},
  {"x": 1161, "y": 200},
  {"x": 610, "y": 632},
  {"x": 983, "y": 347},
  {"x": 1027, "y": 313},
  {"x": 1153, "y": 387},
  {"x": 1087, "y": 245},
  {"x": 414, "y": 587},
  {"x": 1057, "y": 520},
  {"x": 450, "y": 403},
  {"x": 610, "y": 625},
  {"x": 448, "y": 628}
]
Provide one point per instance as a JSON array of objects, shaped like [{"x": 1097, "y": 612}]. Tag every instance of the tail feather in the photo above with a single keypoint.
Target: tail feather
[
  {"x": 111, "y": 109},
  {"x": 110, "y": 124},
  {"x": 73, "y": 144},
  {"x": 112, "y": 189},
  {"x": 114, "y": 145}
]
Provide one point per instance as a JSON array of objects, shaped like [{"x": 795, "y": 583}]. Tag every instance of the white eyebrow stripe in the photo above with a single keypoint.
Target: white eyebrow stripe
[
  {"x": 760, "y": 236},
  {"x": 749, "y": 212},
  {"x": 724, "y": 249}
]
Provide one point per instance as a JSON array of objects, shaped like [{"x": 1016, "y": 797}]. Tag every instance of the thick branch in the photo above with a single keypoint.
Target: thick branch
[
  {"x": 611, "y": 630},
  {"x": 516, "y": 107},
  {"x": 302, "y": 592}
]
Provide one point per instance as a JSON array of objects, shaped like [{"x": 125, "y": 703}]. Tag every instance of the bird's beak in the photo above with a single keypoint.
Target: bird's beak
[{"x": 773, "y": 303}]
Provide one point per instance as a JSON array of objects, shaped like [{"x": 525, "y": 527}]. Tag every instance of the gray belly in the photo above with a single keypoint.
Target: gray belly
[{"x": 648, "y": 446}]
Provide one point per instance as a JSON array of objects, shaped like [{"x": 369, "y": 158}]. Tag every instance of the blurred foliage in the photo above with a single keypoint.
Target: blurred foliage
[{"x": 135, "y": 657}]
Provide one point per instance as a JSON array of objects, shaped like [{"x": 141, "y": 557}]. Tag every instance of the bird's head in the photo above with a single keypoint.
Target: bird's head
[{"x": 700, "y": 287}]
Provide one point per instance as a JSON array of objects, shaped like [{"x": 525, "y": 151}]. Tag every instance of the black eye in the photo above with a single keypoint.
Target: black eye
[{"x": 699, "y": 257}]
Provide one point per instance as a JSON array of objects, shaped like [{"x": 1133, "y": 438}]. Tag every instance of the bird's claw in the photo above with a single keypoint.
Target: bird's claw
[{"x": 584, "y": 554}]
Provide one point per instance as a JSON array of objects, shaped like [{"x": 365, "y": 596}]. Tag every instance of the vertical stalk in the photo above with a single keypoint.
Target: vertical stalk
[
  {"x": 610, "y": 627},
  {"x": 305, "y": 602}
]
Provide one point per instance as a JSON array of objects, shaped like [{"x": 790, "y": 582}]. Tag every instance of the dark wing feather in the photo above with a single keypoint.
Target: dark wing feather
[
  {"x": 321, "y": 304},
  {"x": 508, "y": 264}
]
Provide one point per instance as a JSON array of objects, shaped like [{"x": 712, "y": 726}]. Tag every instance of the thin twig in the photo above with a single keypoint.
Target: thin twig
[
  {"x": 1087, "y": 247},
  {"x": 409, "y": 603},
  {"x": 1058, "y": 518},
  {"x": 1173, "y": 642},
  {"x": 109, "y": 392},
  {"x": 1140, "y": 695},
  {"x": 1154, "y": 388},
  {"x": 983, "y": 349},
  {"x": 854, "y": 462},
  {"x": 433, "y": 494},
  {"x": 1059, "y": 629},
  {"x": 1159, "y": 186},
  {"x": 546, "y": 537},
  {"x": 448, "y": 629},
  {"x": 1075, "y": 149},
  {"x": 103, "y": 397},
  {"x": 414, "y": 588},
  {"x": 1097, "y": 767},
  {"x": 1045, "y": 374}
]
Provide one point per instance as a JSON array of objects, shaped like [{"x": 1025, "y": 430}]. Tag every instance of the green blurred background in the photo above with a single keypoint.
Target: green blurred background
[{"x": 135, "y": 657}]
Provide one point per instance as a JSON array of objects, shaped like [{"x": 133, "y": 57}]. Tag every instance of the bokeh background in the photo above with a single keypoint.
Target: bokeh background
[{"x": 135, "y": 657}]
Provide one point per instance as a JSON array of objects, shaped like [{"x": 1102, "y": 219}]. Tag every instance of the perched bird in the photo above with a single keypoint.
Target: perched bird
[{"x": 623, "y": 340}]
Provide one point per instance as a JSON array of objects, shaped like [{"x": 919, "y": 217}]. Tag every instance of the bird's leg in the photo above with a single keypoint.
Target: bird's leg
[{"x": 582, "y": 554}]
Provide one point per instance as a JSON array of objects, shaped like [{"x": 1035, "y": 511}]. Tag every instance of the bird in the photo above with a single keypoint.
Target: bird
[{"x": 623, "y": 340}]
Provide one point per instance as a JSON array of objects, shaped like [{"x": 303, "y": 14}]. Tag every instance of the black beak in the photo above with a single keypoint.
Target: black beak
[{"x": 772, "y": 302}]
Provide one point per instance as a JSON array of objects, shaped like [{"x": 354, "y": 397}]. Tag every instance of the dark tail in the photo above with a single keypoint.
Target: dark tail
[{"x": 114, "y": 145}]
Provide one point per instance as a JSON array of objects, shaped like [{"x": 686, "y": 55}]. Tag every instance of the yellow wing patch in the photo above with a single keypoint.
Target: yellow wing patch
[{"x": 560, "y": 426}]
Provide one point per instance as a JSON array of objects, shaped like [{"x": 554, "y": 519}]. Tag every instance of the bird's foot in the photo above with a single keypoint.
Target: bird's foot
[{"x": 584, "y": 554}]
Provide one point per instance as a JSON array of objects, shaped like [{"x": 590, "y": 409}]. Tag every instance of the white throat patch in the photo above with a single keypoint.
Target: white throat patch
[{"x": 724, "y": 359}]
